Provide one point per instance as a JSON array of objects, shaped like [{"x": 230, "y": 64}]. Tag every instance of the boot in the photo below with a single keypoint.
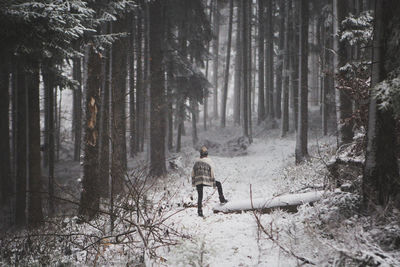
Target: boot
[
  {"x": 200, "y": 213},
  {"x": 223, "y": 200}
]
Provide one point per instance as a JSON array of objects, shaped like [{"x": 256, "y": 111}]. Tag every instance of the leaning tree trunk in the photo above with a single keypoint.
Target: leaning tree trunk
[
  {"x": 118, "y": 88},
  {"x": 302, "y": 131},
  {"x": 381, "y": 172},
  {"x": 90, "y": 196},
  {"x": 228, "y": 62},
  {"x": 261, "y": 104},
  {"x": 157, "y": 91},
  {"x": 35, "y": 215}
]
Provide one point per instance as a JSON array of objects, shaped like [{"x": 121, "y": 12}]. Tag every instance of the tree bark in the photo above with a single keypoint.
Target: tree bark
[
  {"x": 285, "y": 58},
  {"x": 295, "y": 64},
  {"x": 5, "y": 163},
  {"x": 216, "y": 58},
  {"x": 157, "y": 91},
  {"x": 270, "y": 60},
  {"x": 118, "y": 88},
  {"x": 132, "y": 110},
  {"x": 139, "y": 83},
  {"x": 245, "y": 73},
  {"x": 381, "y": 172},
  {"x": 343, "y": 101},
  {"x": 77, "y": 108},
  {"x": 302, "y": 131},
  {"x": 228, "y": 62},
  {"x": 90, "y": 196},
  {"x": 21, "y": 144},
  {"x": 261, "y": 104},
  {"x": 279, "y": 80},
  {"x": 35, "y": 215},
  {"x": 238, "y": 67}
]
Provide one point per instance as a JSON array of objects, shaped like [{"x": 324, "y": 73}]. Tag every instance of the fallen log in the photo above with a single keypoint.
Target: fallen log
[{"x": 288, "y": 202}]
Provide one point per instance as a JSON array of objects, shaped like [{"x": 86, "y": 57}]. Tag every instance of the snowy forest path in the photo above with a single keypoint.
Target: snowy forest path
[{"x": 231, "y": 239}]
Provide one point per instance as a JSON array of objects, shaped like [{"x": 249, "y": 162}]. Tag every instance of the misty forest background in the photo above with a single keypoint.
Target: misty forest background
[{"x": 145, "y": 74}]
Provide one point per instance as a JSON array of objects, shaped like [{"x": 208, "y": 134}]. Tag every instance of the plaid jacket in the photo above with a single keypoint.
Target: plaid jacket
[{"x": 203, "y": 172}]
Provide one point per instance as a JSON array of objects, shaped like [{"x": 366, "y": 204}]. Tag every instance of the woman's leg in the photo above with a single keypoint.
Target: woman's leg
[
  {"x": 199, "y": 199},
  {"x": 220, "y": 192}
]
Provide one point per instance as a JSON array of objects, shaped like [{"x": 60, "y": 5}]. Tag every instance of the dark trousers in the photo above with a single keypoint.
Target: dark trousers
[{"x": 199, "y": 188}]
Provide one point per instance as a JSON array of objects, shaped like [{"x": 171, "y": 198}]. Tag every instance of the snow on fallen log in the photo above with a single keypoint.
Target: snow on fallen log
[{"x": 288, "y": 202}]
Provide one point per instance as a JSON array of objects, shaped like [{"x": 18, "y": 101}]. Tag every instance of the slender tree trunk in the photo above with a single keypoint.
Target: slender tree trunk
[
  {"x": 228, "y": 62},
  {"x": 21, "y": 144},
  {"x": 195, "y": 138},
  {"x": 90, "y": 196},
  {"x": 343, "y": 101},
  {"x": 48, "y": 79},
  {"x": 270, "y": 60},
  {"x": 139, "y": 83},
  {"x": 77, "y": 108},
  {"x": 238, "y": 67},
  {"x": 296, "y": 63},
  {"x": 35, "y": 215},
  {"x": 249, "y": 64},
  {"x": 216, "y": 58},
  {"x": 245, "y": 73},
  {"x": 205, "y": 111},
  {"x": 5, "y": 163},
  {"x": 261, "y": 104},
  {"x": 104, "y": 142},
  {"x": 278, "y": 110},
  {"x": 302, "y": 131},
  {"x": 381, "y": 171},
  {"x": 118, "y": 130},
  {"x": 157, "y": 91},
  {"x": 285, "y": 58},
  {"x": 132, "y": 111}
]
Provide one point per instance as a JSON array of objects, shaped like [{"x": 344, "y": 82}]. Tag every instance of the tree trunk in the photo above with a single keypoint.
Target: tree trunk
[
  {"x": 77, "y": 108},
  {"x": 245, "y": 73},
  {"x": 278, "y": 110},
  {"x": 48, "y": 80},
  {"x": 228, "y": 62},
  {"x": 35, "y": 215},
  {"x": 90, "y": 196},
  {"x": 302, "y": 131},
  {"x": 5, "y": 163},
  {"x": 216, "y": 58},
  {"x": 343, "y": 101},
  {"x": 21, "y": 144},
  {"x": 157, "y": 91},
  {"x": 261, "y": 104},
  {"x": 132, "y": 111},
  {"x": 238, "y": 67},
  {"x": 118, "y": 88},
  {"x": 139, "y": 83},
  {"x": 381, "y": 172},
  {"x": 295, "y": 64},
  {"x": 285, "y": 58},
  {"x": 270, "y": 60}
]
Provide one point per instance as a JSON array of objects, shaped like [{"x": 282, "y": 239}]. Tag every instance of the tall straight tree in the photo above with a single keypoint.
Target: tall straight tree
[
  {"x": 90, "y": 196},
  {"x": 279, "y": 76},
  {"x": 381, "y": 171},
  {"x": 228, "y": 61},
  {"x": 77, "y": 107},
  {"x": 139, "y": 81},
  {"x": 302, "y": 130},
  {"x": 343, "y": 101},
  {"x": 35, "y": 213},
  {"x": 238, "y": 67},
  {"x": 270, "y": 61},
  {"x": 157, "y": 91},
  {"x": 118, "y": 88},
  {"x": 132, "y": 110},
  {"x": 5, "y": 163},
  {"x": 261, "y": 104},
  {"x": 294, "y": 65},
  {"x": 216, "y": 57},
  {"x": 286, "y": 9},
  {"x": 245, "y": 72},
  {"x": 21, "y": 142}
]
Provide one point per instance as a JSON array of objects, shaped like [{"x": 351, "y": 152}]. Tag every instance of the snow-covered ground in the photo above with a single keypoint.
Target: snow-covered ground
[{"x": 233, "y": 239}]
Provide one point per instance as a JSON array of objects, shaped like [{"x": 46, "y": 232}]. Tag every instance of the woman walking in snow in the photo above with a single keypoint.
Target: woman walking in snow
[{"x": 203, "y": 175}]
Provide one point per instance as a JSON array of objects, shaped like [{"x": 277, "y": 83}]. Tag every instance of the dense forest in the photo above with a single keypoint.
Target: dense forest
[{"x": 105, "y": 105}]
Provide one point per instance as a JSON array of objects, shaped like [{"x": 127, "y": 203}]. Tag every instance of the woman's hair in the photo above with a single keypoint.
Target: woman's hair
[{"x": 203, "y": 152}]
